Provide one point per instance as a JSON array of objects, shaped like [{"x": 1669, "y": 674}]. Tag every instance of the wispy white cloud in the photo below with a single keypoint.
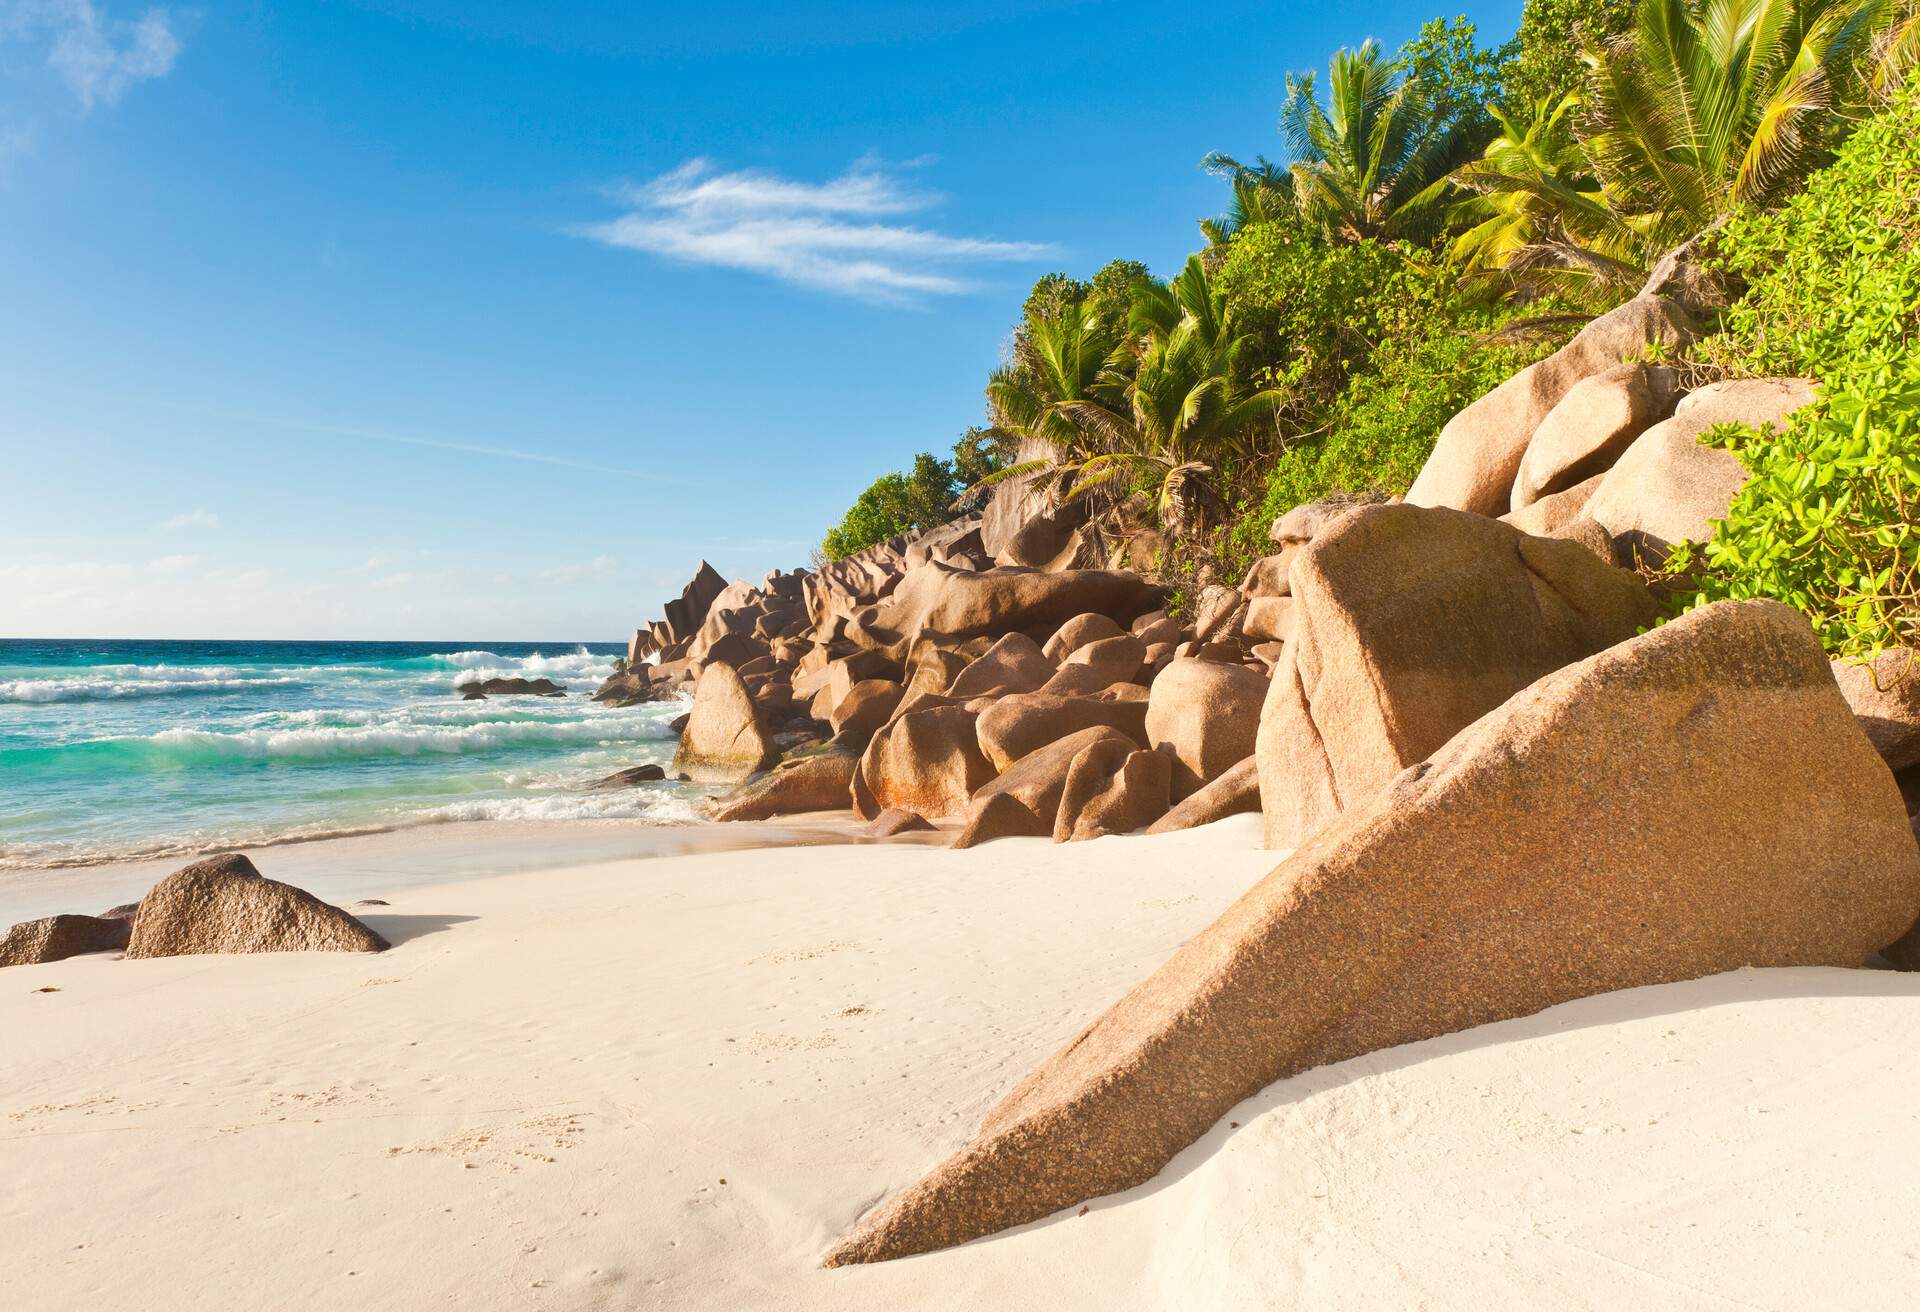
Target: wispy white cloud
[
  {"x": 822, "y": 235},
  {"x": 99, "y": 57},
  {"x": 191, "y": 519}
]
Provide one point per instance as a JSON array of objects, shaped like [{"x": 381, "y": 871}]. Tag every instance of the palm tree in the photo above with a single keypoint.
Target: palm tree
[
  {"x": 1161, "y": 307},
  {"x": 1184, "y": 415},
  {"x": 1690, "y": 113},
  {"x": 1897, "y": 49},
  {"x": 1374, "y": 161},
  {"x": 1262, "y": 193},
  {"x": 1153, "y": 414},
  {"x": 1535, "y": 207},
  {"x": 1053, "y": 395}
]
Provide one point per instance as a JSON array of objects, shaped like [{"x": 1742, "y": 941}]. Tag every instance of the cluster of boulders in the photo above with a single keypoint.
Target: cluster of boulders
[
  {"x": 928, "y": 679},
  {"x": 1502, "y": 782},
  {"x": 219, "y": 904}
]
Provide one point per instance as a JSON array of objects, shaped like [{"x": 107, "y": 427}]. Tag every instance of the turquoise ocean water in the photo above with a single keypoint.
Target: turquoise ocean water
[{"x": 115, "y": 749}]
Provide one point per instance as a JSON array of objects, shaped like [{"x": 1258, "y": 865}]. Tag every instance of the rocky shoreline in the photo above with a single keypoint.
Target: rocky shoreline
[{"x": 1502, "y": 786}]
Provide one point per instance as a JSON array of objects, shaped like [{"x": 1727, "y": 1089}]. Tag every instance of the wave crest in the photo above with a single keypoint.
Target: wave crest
[
  {"x": 394, "y": 740},
  {"x": 46, "y": 691}
]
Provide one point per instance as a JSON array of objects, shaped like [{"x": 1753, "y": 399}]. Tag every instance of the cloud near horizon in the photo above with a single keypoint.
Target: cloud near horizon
[
  {"x": 99, "y": 58},
  {"x": 192, "y": 519},
  {"x": 826, "y": 236}
]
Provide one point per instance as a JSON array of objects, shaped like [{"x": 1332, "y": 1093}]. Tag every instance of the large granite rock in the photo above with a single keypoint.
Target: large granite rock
[
  {"x": 1112, "y": 788},
  {"x": 1013, "y": 664},
  {"x": 1695, "y": 800},
  {"x": 1077, "y": 633},
  {"x": 223, "y": 905},
  {"x": 1237, "y": 792},
  {"x": 867, "y": 705},
  {"x": 1478, "y": 454},
  {"x": 686, "y": 613},
  {"x": 1206, "y": 715},
  {"x": 1593, "y": 423},
  {"x": 1097, "y": 666},
  {"x": 1668, "y": 486},
  {"x": 928, "y": 762},
  {"x": 1026, "y": 722},
  {"x": 724, "y": 741},
  {"x": 821, "y": 781},
  {"x": 1410, "y": 624},
  {"x": 1034, "y": 783},
  {"x": 947, "y": 604},
  {"x": 1561, "y": 514},
  {"x": 632, "y": 686},
  {"x": 55, "y": 938},
  {"x": 1885, "y": 696}
]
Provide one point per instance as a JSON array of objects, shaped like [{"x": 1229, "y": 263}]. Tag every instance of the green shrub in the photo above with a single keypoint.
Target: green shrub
[
  {"x": 923, "y": 498},
  {"x": 1548, "y": 63},
  {"x": 1826, "y": 522},
  {"x": 1415, "y": 360},
  {"x": 1312, "y": 310},
  {"x": 1834, "y": 275},
  {"x": 894, "y": 504}
]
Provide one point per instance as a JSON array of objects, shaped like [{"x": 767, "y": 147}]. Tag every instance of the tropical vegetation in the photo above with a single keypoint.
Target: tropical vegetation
[
  {"x": 1439, "y": 215},
  {"x": 1830, "y": 522}
]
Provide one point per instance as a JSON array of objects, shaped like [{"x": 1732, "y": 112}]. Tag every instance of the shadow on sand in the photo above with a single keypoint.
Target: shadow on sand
[
  {"x": 1625, "y": 1006},
  {"x": 402, "y": 929}
]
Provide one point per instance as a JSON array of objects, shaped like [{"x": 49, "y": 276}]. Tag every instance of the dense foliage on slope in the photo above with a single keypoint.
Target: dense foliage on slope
[
  {"x": 1447, "y": 213},
  {"x": 1828, "y": 522}
]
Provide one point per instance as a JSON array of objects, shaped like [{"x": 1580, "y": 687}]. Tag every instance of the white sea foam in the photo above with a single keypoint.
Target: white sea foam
[
  {"x": 577, "y": 665},
  {"x": 630, "y": 804},
  {"x": 402, "y": 739},
  {"x": 43, "y": 691}
]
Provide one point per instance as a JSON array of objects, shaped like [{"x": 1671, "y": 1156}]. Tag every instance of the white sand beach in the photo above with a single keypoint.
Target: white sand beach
[{"x": 670, "y": 1082}]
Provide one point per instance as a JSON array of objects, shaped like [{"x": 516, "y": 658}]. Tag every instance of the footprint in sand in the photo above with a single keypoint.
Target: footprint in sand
[
  {"x": 789, "y": 955},
  {"x": 99, "y": 1104},
  {"x": 284, "y": 1104},
  {"x": 758, "y": 1045},
  {"x": 508, "y": 1146}
]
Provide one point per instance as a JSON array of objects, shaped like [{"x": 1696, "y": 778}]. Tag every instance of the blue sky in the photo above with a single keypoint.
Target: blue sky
[{"x": 412, "y": 318}]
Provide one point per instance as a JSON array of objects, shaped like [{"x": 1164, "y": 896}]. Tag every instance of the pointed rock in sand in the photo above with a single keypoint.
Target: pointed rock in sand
[
  {"x": 1743, "y": 819},
  {"x": 224, "y": 905}
]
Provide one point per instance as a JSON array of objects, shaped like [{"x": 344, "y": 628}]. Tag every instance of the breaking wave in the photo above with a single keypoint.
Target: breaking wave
[
  {"x": 335, "y": 742},
  {"x": 42, "y": 691}
]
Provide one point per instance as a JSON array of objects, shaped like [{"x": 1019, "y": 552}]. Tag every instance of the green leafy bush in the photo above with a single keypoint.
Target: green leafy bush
[
  {"x": 1312, "y": 309},
  {"x": 1548, "y": 62},
  {"x": 1833, "y": 276},
  {"x": 1826, "y": 523},
  {"x": 1385, "y": 422},
  {"x": 1378, "y": 383}
]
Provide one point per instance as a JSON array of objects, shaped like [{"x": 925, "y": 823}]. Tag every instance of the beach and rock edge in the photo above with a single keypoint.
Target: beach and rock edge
[{"x": 1501, "y": 788}]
